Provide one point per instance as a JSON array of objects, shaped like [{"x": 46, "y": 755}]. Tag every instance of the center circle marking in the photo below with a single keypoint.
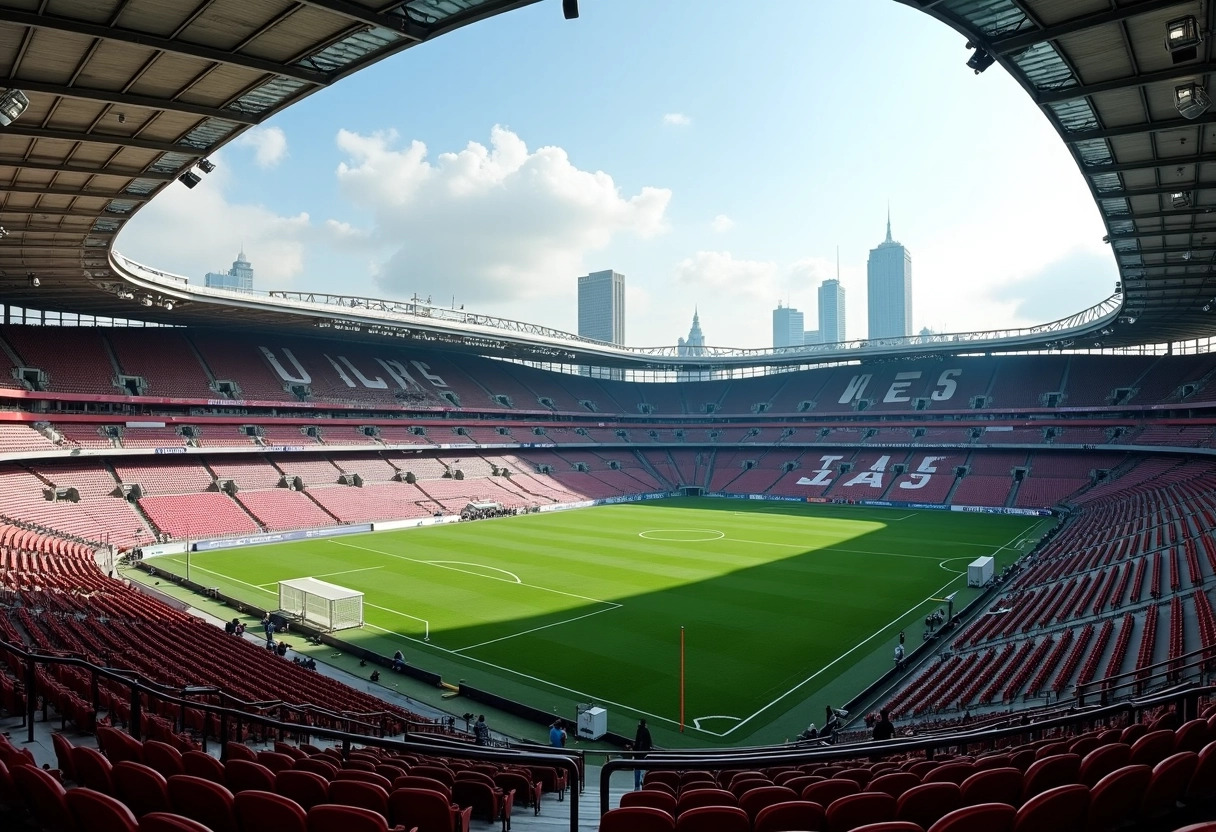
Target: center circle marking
[{"x": 682, "y": 535}]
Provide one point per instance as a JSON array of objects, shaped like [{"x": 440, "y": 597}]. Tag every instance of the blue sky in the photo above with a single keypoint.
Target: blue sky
[{"x": 716, "y": 158}]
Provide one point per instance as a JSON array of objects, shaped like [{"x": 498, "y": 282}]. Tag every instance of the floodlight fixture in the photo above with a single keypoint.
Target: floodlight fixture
[
  {"x": 3, "y": 232},
  {"x": 206, "y": 165},
  {"x": 980, "y": 59},
  {"x": 1182, "y": 38},
  {"x": 570, "y": 9},
  {"x": 33, "y": 280},
  {"x": 1181, "y": 199},
  {"x": 1207, "y": 307},
  {"x": 189, "y": 179},
  {"x": 146, "y": 300},
  {"x": 12, "y": 104},
  {"x": 1191, "y": 100},
  {"x": 168, "y": 305}
]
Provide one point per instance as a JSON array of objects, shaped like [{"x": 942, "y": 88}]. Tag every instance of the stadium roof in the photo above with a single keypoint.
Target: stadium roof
[{"x": 126, "y": 95}]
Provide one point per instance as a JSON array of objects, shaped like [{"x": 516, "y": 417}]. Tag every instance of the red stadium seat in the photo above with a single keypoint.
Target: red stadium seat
[
  {"x": 792, "y": 814},
  {"x": 1170, "y": 779},
  {"x": 329, "y": 817},
  {"x": 994, "y": 785},
  {"x": 634, "y": 819},
  {"x": 304, "y": 787},
  {"x": 202, "y": 800},
  {"x": 264, "y": 811},
  {"x": 242, "y": 775},
  {"x": 984, "y": 817},
  {"x": 848, "y": 812},
  {"x": 895, "y": 783},
  {"x": 99, "y": 812},
  {"x": 927, "y": 803},
  {"x": 45, "y": 798},
  {"x": 169, "y": 822},
  {"x": 1116, "y": 798},
  {"x": 1061, "y": 809},
  {"x": 142, "y": 788},
  {"x": 713, "y": 819},
  {"x": 651, "y": 798}
]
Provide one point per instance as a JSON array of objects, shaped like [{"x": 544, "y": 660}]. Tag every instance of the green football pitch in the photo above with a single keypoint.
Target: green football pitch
[{"x": 777, "y": 602}]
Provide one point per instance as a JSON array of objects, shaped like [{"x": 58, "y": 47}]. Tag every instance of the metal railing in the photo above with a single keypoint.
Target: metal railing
[{"x": 233, "y": 721}]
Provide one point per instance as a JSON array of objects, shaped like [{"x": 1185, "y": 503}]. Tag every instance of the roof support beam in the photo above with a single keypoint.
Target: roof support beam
[
  {"x": 1147, "y": 164},
  {"x": 144, "y": 101},
  {"x": 362, "y": 14},
  {"x": 46, "y": 190},
  {"x": 16, "y": 129},
  {"x": 1176, "y": 73},
  {"x": 1136, "y": 129},
  {"x": 1142, "y": 235},
  {"x": 9, "y": 211},
  {"x": 177, "y": 47},
  {"x": 1160, "y": 215},
  {"x": 1158, "y": 191},
  {"x": 1022, "y": 40},
  {"x": 68, "y": 167}
]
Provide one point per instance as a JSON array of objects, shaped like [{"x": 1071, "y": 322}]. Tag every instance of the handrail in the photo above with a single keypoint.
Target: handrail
[
  {"x": 1143, "y": 676},
  {"x": 675, "y": 760},
  {"x": 564, "y": 761}
]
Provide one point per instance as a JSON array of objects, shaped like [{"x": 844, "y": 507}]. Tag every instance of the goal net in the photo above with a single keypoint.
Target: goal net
[{"x": 322, "y": 604}]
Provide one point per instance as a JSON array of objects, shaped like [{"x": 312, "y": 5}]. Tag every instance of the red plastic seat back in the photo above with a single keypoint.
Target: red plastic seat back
[
  {"x": 636, "y": 819},
  {"x": 894, "y": 784},
  {"x": 826, "y": 791},
  {"x": 855, "y": 810},
  {"x": 1062, "y": 809},
  {"x": 650, "y": 797},
  {"x": 198, "y": 764},
  {"x": 92, "y": 769},
  {"x": 364, "y": 795},
  {"x": 1102, "y": 761},
  {"x": 1152, "y": 748},
  {"x": 304, "y": 787},
  {"x": 954, "y": 773},
  {"x": 99, "y": 812},
  {"x": 169, "y": 822},
  {"x": 163, "y": 757},
  {"x": 119, "y": 745},
  {"x": 242, "y": 776},
  {"x": 322, "y": 767},
  {"x": 754, "y": 800},
  {"x": 928, "y": 802},
  {"x": 329, "y": 817},
  {"x": 44, "y": 796},
  {"x": 984, "y": 817},
  {"x": 1116, "y": 797},
  {"x": 267, "y": 811},
  {"x": 141, "y": 787},
  {"x": 994, "y": 785},
  {"x": 695, "y": 798},
  {"x": 1049, "y": 772},
  {"x": 1170, "y": 779},
  {"x": 202, "y": 800},
  {"x": 714, "y": 819},
  {"x": 792, "y": 814}
]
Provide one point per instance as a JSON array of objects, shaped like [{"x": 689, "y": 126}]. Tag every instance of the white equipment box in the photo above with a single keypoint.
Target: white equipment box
[
  {"x": 979, "y": 571},
  {"x": 592, "y": 723}
]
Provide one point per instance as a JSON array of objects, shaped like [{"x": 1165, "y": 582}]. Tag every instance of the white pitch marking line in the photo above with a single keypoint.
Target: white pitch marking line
[
  {"x": 514, "y": 578},
  {"x": 905, "y": 517},
  {"x": 697, "y": 721},
  {"x": 398, "y": 612},
  {"x": 234, "y": 580},
  {"x": 487, "y": 577},
  {"x": 329, "y": 574},
  {"x": 873, "y": 636},
  {"x": 537, "y": 629},
  {"x": 646, "y": 535}
]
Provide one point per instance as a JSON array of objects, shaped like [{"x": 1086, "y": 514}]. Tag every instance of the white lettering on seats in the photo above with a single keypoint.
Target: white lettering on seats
[
  {"x": 428, "y": 375},
  {"x": 898, "y": 391},
  {"x": 856, "y": 388},
  {"x": 397, "y": 372},
  {"x": 873, "y": 477},
  {"x": 947, "y": 386},
  {"x": 823, "y": 475},
  {"x": 920, "y": 478},
  {"x": 341, "y": 373},
  {"x": 302, "y": 378},
  {"x": 376, "y": 383}
]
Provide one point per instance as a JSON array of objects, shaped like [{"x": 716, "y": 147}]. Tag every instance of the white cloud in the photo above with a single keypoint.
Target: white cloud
[
  {"x": 676, "y": 120},
  {"x": 190, "y": 232},
  {"x": 269, "y": 145},
  {"x": 721, "y": 224},
  {"x": 501, "y": 227}
]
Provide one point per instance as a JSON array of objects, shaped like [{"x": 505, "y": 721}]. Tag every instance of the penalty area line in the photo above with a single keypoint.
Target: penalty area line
[{"x": 538, "y": 629}]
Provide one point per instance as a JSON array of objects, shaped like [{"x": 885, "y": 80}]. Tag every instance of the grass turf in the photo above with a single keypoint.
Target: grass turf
[{"x": 777, "y": 600}]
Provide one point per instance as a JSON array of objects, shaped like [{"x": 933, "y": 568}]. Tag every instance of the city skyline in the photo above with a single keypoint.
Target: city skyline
[
  {"x": 239, "y": 276},
  {"x": 889, "y": 289}
]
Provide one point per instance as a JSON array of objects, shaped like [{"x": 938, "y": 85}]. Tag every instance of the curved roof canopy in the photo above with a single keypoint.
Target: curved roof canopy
[{"x": 126, "y": 95}]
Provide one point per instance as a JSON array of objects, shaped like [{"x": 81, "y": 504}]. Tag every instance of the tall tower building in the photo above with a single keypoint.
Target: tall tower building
[
  {"x": 601, "y": 307},
  {"x": 787, "y": 327},
  {"x": 240, "y": 276},
  {"x": 695, "y": 343},
  {"x": 831, "y": 308},
  {"x": 889, "y": 289}
]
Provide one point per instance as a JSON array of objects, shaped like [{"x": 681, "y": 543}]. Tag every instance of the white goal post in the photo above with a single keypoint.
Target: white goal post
[{"x": 322, "y": 604}]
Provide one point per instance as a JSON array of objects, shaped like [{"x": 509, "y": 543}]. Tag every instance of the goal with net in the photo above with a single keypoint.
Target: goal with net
[{"x": 322, "y": 604}]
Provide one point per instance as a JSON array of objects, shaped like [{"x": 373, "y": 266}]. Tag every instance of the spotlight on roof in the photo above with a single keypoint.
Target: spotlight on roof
[
  {"x": 3, "y": 232},
  {"x": 1182, "y": 39},
  {"x": 1181, "y": 199},
  {"x": 12, "y": 104},
  {"x": 33, "y": 280},
  {"x": 980, "y": 60},
  {"x": 189, "y": 179},
  {"x": 206, "y": 165},
  {"x": 1207, "y": 307},
  {"x": 167, "y": 305},
  {"x": 1191, "y": 100},
  {"x": 146, "y": 300},
  {"x": 570, "y": 9}
]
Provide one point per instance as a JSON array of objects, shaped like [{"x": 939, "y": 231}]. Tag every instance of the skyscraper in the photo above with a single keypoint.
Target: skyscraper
[
  {"x": 787, "y": 327},
  {"x": 695, "y": 343},
  {"x": 889, "y": 289},
  {"x": 601, "y": 307},
  {"x": 831, "y": 308},
  {"x": 240, "y": 276}
]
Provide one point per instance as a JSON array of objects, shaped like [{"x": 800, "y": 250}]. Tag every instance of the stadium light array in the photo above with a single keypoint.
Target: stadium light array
[
  {"x": 189, "y": 179},
  {"x": 980, "y": 60},
  {"x": 1191, "y": 100},
  {"x": 206, "y": 165},
  {"x": 33, "y": 280},
  {"x": 1181, "y": 199},
  {"x": 12, "y": 104},
  {"x": 1182, "y": 39},
  {"x": 570, "y": 9}
]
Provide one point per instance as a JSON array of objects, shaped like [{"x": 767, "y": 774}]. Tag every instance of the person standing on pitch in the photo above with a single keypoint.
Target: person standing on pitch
[{"x": 641, "y": 744}]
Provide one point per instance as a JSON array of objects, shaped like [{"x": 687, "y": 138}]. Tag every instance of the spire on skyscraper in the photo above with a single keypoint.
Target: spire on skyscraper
[{"x": 889, "y": 240}]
